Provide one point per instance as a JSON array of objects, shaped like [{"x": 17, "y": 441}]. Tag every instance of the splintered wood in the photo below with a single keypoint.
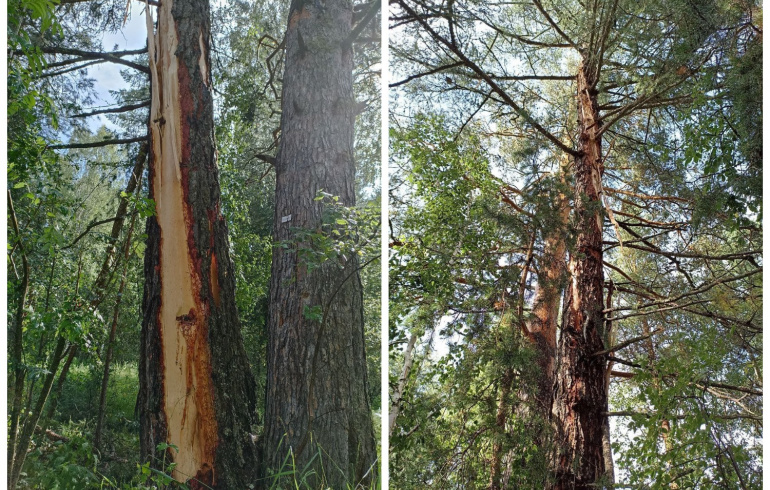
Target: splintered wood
[{"x": 188, "y": 395}]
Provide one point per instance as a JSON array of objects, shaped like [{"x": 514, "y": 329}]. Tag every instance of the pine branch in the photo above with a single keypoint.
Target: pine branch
[
  {"x": 116, "y": 110},
  {"x": 425, "y": 74},
  {"x": 628, "y": 342},
  {"x": 115, "y": 57},
  {"x": 358, "y": 29},
  {"x": 490, "y": 82},
  {"x": 97, "y": 144}
]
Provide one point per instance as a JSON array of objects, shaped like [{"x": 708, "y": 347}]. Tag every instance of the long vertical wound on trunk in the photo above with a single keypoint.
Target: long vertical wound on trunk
[{"x": 188, "y": 401}]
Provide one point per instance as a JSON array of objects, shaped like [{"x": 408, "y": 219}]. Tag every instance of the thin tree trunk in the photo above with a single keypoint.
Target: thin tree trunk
[
  {"x": 57, "y": 389},
  {"x": 117, "y": 224},
  {"x": 609, "y": 464},
  {"x": 540, "y": 332},
  {"x": 31, "y": 421},
  {"x": 196, "y": 388},
  {"x": 16, "y": 352},
  {"x": 111, "y": 341},
  {"x": 398, "y": 396},
  {"x": 317, "y": 397},
  {"x": 501, "y": 419},
  {"x": 580, "y": 397},
  {"x": 105, "y": 272},
  {"x": 665, "y": 423}
]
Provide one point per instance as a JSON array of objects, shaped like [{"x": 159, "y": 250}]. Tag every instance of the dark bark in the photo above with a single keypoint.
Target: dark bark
[
  {"x": 317, "y": 402},
  {"x": 580, "y": 399},
  {"x": 196, "y": 387},
  {"x": 19, "y": 372},
  {"x": 53, "y": 400}
]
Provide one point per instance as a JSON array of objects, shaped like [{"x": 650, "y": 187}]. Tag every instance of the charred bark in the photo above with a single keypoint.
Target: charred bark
[
  {"x": 196, "y": 388},
  {"x": 317, "y": 401},
  {"x": 579, "y": 395}
]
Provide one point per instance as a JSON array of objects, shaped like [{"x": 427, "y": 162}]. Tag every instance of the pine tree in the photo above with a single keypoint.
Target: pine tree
[{"x": 197, "y": 395}]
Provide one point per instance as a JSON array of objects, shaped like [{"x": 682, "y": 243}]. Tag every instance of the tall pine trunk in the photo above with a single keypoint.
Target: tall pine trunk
[
  {"x": 317, "y": 400},
  {"x": 196, "y": 387},
  {"x": 580, "y": 399}
]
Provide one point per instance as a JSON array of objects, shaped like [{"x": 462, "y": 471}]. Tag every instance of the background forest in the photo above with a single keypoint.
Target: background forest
[
  {"x": 494, "y": 110},
  {"x": 77, "y": 205}
]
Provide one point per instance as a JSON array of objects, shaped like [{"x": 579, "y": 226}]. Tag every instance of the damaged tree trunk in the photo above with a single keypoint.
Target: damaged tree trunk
[
  {"x": 196, "y": 389},
  {"x": 317, "y": 399},
  {"x": 580, "y": 399}
]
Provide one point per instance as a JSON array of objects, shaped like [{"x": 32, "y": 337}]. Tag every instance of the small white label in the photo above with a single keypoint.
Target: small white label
[{"x": 286, "y": 219}]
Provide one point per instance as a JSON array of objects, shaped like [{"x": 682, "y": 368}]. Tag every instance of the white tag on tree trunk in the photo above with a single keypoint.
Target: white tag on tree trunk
[{"x": 286, "y": 219}]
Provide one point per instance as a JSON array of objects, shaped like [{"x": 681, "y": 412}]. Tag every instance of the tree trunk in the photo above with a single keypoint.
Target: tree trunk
[
  {"x": 665, "y": 423},
  {"x": 196, "y": 388},
  {"x": 20, "y": 453},
  {"x": 541, "y": 328},
  {"x": 398, "y": 396},
  {"x": 501, "y": 418},
  {"x": 317, "y": 401},
  {"x": 579, "y": 396},
  {"x": 16, "y": 351},
  {"x": 105, "y": 272},
  {"x": 117, "y": 225},
  {"x": 111, "y": 340}
]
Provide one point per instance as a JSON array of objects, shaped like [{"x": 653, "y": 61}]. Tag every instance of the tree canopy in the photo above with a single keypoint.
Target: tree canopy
[{"x": 486, "y": 129}]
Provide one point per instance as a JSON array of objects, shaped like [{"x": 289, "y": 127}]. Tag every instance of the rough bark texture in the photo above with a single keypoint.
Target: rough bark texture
[
  {"x": 196, "y": 388},
  {"x": 317, "y": 401},
  {"x": 579, "y": 395}
]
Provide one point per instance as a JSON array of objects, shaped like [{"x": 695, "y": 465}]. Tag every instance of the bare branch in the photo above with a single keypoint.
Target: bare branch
[
  {"x": 628, "y": 342},
  {"x": 115, "y": 110},
  {"x": 96, "y": 144}
]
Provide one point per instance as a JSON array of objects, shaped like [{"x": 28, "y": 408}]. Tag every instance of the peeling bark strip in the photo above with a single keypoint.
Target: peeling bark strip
[
  {"x": 317, "y": 401},
  {"x": 196, "y": 389},
  {"x": 579, "y": 395}
]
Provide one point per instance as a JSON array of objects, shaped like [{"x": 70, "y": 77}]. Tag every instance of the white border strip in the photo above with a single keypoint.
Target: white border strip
[{"x": 384, "y": 312}]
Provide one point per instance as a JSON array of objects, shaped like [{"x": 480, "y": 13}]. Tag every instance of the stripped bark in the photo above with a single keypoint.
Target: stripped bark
[
  {"x": 580, "y": 399},
  {"x": 317, "y": 398},
  {"x": 196, "y": 389}
]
